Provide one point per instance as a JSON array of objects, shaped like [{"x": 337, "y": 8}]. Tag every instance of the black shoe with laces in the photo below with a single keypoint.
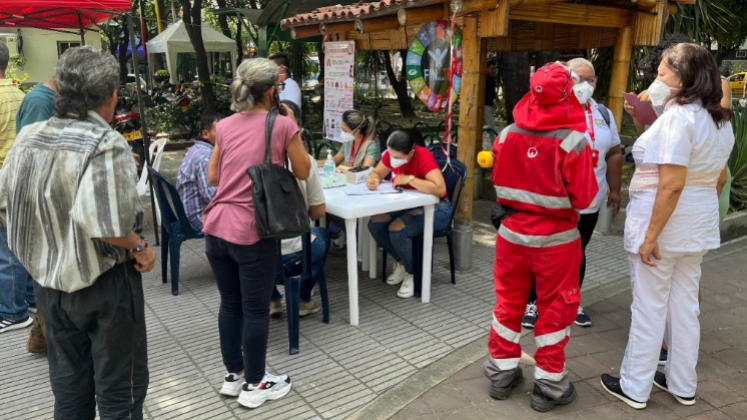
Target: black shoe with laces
[
  {"x": 502, "y": 393},
  {"x": 530, "y": 316},
  {"x": 660, "y": 380},
  {"x": 612, "y": 385},
  {"x": 543, "y": 403},
  {"x": 663, "y": 357},
  {"x": 582, "y": 320}
]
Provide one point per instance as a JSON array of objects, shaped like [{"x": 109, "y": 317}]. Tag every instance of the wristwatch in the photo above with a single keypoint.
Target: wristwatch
[
  {"x": 142, "y": 246},
  {"x": 410, "y": 179}
]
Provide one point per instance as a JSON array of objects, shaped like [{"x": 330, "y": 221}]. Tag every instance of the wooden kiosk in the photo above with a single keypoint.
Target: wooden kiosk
[{"x": 495, "y": 25}]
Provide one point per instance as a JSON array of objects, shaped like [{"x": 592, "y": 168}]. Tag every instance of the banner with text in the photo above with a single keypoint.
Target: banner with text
[{"x": 338, "y": 85}]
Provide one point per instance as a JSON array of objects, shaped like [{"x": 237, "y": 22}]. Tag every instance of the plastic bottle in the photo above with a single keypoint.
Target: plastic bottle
[{"x": 329, "y": 164}]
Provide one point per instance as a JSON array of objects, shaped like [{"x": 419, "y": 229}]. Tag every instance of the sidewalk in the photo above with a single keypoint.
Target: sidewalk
[{"x": 722, "y": 366}]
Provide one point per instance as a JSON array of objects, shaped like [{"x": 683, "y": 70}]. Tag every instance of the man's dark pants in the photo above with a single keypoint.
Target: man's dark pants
[{"x": 97, "y": 346}]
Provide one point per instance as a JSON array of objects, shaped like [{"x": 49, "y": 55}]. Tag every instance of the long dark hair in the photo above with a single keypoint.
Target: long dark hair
[{"x": 697, "y": 69}]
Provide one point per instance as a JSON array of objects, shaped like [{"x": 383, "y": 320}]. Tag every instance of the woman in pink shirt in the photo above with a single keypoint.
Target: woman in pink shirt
[{"x": 244, "y": 265}]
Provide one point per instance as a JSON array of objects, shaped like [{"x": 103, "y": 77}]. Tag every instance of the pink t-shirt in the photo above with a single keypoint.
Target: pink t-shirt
[{"x": 241, "y": 142}]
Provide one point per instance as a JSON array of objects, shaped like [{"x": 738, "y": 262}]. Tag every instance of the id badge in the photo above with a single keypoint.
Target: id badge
[{"x": 595, "y": 157}]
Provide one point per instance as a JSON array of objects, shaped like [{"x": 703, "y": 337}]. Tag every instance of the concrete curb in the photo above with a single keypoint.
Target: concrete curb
[{"x": 394, "y": 400}]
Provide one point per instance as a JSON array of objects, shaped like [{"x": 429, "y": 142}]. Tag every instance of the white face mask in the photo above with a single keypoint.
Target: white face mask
[
  {"x": 346, "y": 137},
  {"x": 659, "y": 92},
  {"x": 583, "y": 92},
  {"x": 396, "y": 163}
]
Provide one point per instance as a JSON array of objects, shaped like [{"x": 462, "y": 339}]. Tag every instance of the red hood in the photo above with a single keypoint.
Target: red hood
[{"x": 568, "y": 114}]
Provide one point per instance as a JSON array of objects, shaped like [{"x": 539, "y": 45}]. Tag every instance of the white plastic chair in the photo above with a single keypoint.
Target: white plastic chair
[{"x": 143, "y": 186}]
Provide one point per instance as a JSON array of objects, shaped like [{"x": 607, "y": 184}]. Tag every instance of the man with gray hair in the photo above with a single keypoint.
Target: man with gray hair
[
  {"x": 69, "y": 200},
  {"x": 16, "y": 289}
]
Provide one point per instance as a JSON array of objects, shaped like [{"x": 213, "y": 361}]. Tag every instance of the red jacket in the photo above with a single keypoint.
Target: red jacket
[{"x": 545, "y": 172}]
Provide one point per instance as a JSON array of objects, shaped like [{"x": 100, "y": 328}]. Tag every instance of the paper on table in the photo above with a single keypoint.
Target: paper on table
[
  {"x": 644, "y": 111},
  {"x": 362, "y": 189}
]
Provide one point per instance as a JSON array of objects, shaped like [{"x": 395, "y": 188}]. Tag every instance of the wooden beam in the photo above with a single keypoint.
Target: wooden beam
[
  {"x": 336, "y": 27},
  {"x": 645, "y": 4},
  {"x": 385, "y": 23},
  {"x": 620, "y": 70},
  {"x": 494, "y": 22},
  {"x": 470, "y": 6},
  {"x": 649, "y": 25},
  {"x": 573, "y": 14},
  {"x": 470, "y": 128},
  {"x": 304, "y": 31},
  {"x": 420, "y": 15}
]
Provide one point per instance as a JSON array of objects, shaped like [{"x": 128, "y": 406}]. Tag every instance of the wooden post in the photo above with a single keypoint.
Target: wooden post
[
  {"x": 470, "y": 132},
  {"x": 620, "y": 70}
]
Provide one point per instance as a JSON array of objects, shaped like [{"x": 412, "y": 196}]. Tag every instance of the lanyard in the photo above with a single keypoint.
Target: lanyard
[
  {"x": 590, "y": 125},
  {"x": 354, "y": 151}
]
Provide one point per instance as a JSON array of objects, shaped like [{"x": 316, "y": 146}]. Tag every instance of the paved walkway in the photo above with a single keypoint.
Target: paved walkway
[{"x": 722, "y": 367}]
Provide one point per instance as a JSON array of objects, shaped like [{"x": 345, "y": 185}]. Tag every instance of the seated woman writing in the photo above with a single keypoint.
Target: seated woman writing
[{"x": 412, "y": 167}]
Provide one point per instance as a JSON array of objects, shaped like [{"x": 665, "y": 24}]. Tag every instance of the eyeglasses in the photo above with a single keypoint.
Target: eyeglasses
[
  {"x": 590, "y": 79},
  {"x": 280, "y": 86}
]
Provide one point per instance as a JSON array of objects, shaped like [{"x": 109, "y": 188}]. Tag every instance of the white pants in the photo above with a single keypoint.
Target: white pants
[{"x": 665, "y": 300}]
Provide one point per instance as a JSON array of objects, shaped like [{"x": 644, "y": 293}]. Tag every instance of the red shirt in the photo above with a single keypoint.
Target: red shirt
[{"x": 421, "y": 164}]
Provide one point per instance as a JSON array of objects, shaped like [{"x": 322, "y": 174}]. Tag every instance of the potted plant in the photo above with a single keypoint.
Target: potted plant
[{"x": 161, "y": 76}]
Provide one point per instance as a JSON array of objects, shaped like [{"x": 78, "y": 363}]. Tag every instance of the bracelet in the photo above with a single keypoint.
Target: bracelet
[{"x": 141, "y": 247}]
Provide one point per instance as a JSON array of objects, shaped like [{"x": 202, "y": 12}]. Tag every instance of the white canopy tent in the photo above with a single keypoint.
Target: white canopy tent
[{"x": 174, "y": 40}]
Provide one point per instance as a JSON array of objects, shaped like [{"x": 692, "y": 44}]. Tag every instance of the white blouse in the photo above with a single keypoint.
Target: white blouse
[
  {"x": 684, "y": 135},
  {"x": 605, "y": 138}
]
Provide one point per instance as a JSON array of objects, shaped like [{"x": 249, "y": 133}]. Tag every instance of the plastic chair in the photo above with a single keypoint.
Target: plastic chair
[
  {"x": 293, "y": 291},
  {"x": 156, "y": 154},
  {"x": 175, "y": 228},
  {"x": 455, "y": 177}
]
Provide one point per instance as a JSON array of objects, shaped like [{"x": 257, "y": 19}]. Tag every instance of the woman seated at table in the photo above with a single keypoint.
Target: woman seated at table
[
  {"x": 360, "y": 147},
  {"x": 414, "y": 168}
]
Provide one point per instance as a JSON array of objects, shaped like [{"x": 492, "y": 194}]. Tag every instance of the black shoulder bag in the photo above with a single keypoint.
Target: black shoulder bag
[
  {"x": 499, "y": 213},
  {"x": 279, "y": 208}
]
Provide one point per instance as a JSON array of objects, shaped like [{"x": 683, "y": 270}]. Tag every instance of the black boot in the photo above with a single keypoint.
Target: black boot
[
  {"x": 501, "y": 393},
  {"x": 543, "y": 403}
]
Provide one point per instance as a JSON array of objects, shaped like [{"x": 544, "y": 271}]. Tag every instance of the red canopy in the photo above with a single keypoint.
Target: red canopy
[{"x": 60, "y": 14}]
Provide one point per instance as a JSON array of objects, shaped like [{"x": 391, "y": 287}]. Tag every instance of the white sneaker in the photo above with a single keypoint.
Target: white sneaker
[
  {"x": 397, "y": 275},
  {"x": 341, "y": 241},
  {"x": 231, "y": 385},
  {"x": 271, "y": 388},
  {"x": 407, "y": 290}
]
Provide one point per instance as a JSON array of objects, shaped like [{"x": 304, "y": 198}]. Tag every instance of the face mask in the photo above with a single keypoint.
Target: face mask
[
  {"x": 583, "y": 92},
  {"x": 659, "y": 92},
  {"x": 346, "y": 137},
  {"x": 396, "y": 163}
]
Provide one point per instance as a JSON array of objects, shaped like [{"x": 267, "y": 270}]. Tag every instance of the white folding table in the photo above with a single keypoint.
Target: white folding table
[{"x": 352, "y": 208}]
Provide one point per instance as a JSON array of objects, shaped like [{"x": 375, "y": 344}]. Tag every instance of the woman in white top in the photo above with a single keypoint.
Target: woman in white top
[{"x": 672, "y": 222}]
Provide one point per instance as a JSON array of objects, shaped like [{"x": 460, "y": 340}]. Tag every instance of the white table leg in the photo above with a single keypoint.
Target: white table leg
[
  {"x": 425, "y": 292},
  {"x": 363, "y": 240},
  {"x": 352, "y": 244},
  {"x": 373, "y": 247}
]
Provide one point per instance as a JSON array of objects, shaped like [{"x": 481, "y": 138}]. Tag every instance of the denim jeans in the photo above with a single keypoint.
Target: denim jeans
[
  {"x": 319, "y": 248},
  {"x": 245, "y": 275},
  {"x": 398, "y": 244},
  {"x": 16, "y": 285}
]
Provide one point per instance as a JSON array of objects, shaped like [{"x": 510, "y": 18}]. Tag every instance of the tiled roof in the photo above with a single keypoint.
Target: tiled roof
[{"x": 351, "y": 12}]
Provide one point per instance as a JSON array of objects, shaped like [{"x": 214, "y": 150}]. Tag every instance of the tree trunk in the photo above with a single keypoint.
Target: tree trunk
[
  {"x": 239, "y": 44},
  {"x": 399, "y": 86},
  {"x": 192, "y": 22},
  {"x": 515, "y": 80},
  {"x": 320, "y": 54}
]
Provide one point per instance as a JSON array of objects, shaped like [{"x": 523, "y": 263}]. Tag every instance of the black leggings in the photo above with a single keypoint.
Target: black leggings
[
  {"x": 586, "y": 225},
  {"x": 245, "y": 275}
]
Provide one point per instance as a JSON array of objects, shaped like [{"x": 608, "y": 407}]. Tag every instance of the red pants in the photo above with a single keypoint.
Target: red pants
[{"x": 555, "y": 272}]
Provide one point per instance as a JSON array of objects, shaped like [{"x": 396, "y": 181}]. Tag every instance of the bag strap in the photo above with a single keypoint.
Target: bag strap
[
  {"x": 269, "y": 124},
  {"x": 605, "y": 113}
]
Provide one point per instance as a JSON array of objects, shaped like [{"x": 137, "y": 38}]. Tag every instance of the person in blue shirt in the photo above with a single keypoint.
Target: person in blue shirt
[
  {"x": 37, "y": 105},
  {"x": 192, "y": 181}
]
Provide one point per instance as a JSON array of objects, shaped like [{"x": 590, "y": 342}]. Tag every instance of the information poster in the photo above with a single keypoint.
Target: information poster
[{"x": 339, "y": 74}]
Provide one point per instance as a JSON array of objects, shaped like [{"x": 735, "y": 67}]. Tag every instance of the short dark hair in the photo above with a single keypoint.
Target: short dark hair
[
  {"x": 401, "y": 141},
  {"x": 649, "y": 64},
  {"x": 697, "y": 69},
  {"x": 280, "y": 58},
  {"x": 208, "y": 119},
  {"x": 491, "y": 63},
  {"x": 296, "y": 111}
]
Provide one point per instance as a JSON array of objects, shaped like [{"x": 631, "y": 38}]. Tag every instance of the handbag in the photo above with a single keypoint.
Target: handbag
[
  {"x": 498, "y": 213},
  {"x": 279, "y": 207}
]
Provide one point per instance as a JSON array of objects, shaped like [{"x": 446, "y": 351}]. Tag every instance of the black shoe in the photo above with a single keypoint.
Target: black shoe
[
  {"x": 660, "y": 380},
  {"x": 543, "y": 403},
  {"x": 582, "y": 320},
  {"x": 530, "y": 316},
  {"x": 501, "y": 393},
  {"x": 612, "y": 385},
  {"x": 663, "y": 357}
]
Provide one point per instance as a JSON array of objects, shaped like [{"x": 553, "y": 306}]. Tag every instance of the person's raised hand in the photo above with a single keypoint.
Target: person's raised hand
[{"x": 643, "y": 97}]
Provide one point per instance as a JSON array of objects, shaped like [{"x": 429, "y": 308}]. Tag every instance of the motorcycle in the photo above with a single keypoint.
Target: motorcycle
[{"x": 127, "y": 123}]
